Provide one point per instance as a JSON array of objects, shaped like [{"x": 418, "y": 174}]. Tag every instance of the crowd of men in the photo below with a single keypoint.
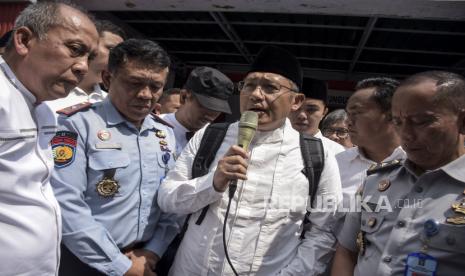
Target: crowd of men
[{"x": 96, "y": 182}]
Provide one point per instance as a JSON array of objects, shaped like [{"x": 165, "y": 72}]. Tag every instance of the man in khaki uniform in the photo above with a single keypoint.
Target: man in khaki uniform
[{"x": 412, "y": 220}]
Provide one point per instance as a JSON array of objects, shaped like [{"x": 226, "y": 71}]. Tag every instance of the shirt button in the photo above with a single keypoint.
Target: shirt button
[
  {"x": 401, "y": 223},
  {"x": 387, "y": 259},
  {"x": 450, "y": 240},
  {"x": 418, "y": 189}
]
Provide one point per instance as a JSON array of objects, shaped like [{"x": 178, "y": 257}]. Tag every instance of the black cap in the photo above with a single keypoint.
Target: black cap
[
  {"x": 276, "y": 60},
  {"x": 211, "y": 88},
  {"x": 4, "y": 39},
  {"x": 315, "y": 89}
]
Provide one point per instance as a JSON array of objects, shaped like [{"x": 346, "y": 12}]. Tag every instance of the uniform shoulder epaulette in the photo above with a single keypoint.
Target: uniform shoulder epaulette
[
  {"x": 384, "y": 166},
  {"x": 161, "y": 121},
  {"x": 70, "y": 110}
]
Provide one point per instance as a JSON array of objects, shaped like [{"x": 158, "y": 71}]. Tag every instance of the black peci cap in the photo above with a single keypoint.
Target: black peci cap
[
  {"x": 315, "y": 89},
  {"x": 211, "y": 88},
  {"x": 4, "y": 39},
  {"x": 276, "y": 60}
]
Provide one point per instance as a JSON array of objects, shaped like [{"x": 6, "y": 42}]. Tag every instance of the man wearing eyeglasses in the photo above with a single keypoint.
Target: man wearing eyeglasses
[
  {"x": 308, "y": 117},
  {"x": 265, "y": 222}
]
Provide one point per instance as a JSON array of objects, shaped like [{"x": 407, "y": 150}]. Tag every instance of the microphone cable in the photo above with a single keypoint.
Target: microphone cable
[{"x": 232, "y": 190}]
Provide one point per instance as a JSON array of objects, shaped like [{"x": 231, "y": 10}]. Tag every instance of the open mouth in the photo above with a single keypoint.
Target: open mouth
[{"x": 259, "y": 111}]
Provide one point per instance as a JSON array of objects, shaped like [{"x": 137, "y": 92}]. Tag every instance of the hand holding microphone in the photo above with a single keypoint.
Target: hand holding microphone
[{"x": 233, "y": 165}]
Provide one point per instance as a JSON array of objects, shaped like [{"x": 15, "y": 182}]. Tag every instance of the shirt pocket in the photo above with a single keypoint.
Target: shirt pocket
[
  {"x": 108, "y": 159},
  {"x": 449, "y": 238}
]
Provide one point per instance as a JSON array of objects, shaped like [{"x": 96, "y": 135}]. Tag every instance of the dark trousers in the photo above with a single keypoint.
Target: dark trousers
[{"x": 70, "y": 265}]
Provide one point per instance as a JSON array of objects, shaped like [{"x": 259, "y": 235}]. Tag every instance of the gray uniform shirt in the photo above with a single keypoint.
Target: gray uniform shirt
[{"x": 395, "y": 227}]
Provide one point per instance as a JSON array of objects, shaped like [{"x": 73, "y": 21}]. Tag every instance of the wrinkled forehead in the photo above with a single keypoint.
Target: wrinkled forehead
[{"x": 272, "y": 77}]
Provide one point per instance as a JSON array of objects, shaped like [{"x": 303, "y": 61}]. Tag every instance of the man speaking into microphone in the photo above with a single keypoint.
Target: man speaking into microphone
[{"x": 264, "y": 224}]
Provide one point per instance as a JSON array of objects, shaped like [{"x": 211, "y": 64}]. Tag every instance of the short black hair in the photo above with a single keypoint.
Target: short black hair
[
  {"x": 108, "y": 26},
  {"x": 450, "y": 87},
  {"x": 142, "y": 51},
  {"x": 169, "y": 92},
  {"x": 384, "y": 90}
]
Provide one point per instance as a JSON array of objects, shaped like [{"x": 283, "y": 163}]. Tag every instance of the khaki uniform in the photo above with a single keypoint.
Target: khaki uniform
[{"x": 386, "y": 237}]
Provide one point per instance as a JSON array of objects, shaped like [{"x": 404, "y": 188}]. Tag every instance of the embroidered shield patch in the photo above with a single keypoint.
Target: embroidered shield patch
[{"x": 64, "y": 148}]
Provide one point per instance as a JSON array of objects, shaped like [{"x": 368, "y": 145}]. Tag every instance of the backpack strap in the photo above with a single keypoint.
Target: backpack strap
[
  {"x": 313, "y": 156},
  {"x": 211, "y": 142}
]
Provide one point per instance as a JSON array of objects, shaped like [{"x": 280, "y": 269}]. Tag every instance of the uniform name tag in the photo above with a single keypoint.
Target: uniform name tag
[
  {"x": 420, "y": 264},
  {"x": 108, "y": 146}
]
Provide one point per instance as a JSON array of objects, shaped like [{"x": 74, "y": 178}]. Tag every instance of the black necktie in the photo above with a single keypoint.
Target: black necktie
[{"x": 189, "y": 135}]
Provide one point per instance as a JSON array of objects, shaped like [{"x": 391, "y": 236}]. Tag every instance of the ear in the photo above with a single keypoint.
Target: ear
[
  {"x": 106, "y": 78},
  {"x": 157, "y": 109},
  {"x": 183, "y": 95},
  {"x": 297, "y": 101},
  {"x": 325, "y": 111},
  {"x": 102, "y": 76},
  {"x": 461, "y": 121},
  {"x": 22, "y": 39}
]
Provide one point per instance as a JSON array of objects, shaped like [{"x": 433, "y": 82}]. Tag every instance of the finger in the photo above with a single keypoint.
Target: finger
[
  {"x": 236, "y": 160},
  {"x": 236, "y": 150}
]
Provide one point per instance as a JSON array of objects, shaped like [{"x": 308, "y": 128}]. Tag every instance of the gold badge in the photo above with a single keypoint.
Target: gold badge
[
  {"x": 383, "y": 185},
  {"x": 160, "y": 134},
  {"x": 107, "y": 187},
  {"x": 163, "y": 143},
  {"x": 456, "y": 220},
  {"x": 361, "y": 245},
  {"x": 104, "y": 135},
  {"x": 459, "y": 207},
  {"x": 371, "y": 222}
]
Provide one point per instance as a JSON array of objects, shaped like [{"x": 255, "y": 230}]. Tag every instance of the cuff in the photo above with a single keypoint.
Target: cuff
[{"x": 118, "y": 266}]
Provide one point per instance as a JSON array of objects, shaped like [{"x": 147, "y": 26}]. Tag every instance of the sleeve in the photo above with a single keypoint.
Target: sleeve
[
  {"x": 168, "y": 226},
  {"x": 82, "y": 234},
  {"x": 317, "y": 248},
  {"x": 347, "y": 237},
  {"x": 179, "y": 193}
]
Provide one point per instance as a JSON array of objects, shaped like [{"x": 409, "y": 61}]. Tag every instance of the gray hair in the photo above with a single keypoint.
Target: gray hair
[
  {"x": 450, "y": 87},
  {"x": 338, "y": 115},
  {"x": 42, "y": 16}
]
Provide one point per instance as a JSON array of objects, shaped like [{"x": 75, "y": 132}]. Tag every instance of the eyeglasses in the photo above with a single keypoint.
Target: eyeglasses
[
  {"x": 341, "y": 133},
  {"x": 267, "y": 87}
]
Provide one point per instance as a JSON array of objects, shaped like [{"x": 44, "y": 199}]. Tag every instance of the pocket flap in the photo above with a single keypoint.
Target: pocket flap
[{"x": 108, "y": 159}]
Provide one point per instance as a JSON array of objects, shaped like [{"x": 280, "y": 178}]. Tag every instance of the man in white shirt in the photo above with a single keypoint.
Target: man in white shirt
[
  {"x": 370, "y": 127},
  {"x": 204, "y": 97},
  {"x": 89, "y": 89},
  {"x": 313, "y": 110},
  {"x": 265, "y": 222},
  {"x": 46, "y": 57}
]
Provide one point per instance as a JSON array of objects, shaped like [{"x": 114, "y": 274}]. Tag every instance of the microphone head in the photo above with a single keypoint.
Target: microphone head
[{"x": 247, "y": 127}]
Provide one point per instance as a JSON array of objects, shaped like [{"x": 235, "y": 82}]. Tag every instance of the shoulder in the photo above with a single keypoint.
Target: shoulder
[
  {"x": 161, "y": 120},
  {"x": 384, "y": 167},
  {"x": 330, "y": 144},
  {"x": 73, "y": 109}
]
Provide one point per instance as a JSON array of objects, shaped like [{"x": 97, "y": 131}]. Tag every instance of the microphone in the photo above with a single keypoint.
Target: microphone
[{"x": 247, "y": 127}]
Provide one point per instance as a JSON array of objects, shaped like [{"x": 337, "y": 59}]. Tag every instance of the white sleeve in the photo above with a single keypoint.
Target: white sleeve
[{"x": 181, "y": 194}]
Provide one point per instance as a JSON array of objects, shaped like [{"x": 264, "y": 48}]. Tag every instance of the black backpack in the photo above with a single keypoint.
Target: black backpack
[{"x": 312, "y": 154}]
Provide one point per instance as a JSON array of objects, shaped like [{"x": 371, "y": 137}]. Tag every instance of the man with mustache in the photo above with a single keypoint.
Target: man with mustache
[
  {"x": 203, "y": 98},
  {"x": 110, "y": 158},
  {"x": 265, "y": 225},
  {"x": 422, "y": 231},
  {"x": 45, "y": 58}
]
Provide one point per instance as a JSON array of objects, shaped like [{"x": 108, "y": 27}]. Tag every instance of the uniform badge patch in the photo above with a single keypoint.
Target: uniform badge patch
[{"x": 64, "y": 148}]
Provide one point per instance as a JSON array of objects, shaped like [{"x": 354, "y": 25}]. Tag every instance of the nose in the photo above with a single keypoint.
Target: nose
[
  {"x": 81, "y": 66},
  {"x": 145, "y": 93},
  {"x": 257, "y": 93},
  {"x": 301, "y": 115},
  {"x": 406, "y": 132}
]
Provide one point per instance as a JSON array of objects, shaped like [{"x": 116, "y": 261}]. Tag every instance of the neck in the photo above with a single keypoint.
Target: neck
[
  {"x": 381, "y": 149},
  {"x": 181, "y": 116},
  {"x": 87, "y": 87}
]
